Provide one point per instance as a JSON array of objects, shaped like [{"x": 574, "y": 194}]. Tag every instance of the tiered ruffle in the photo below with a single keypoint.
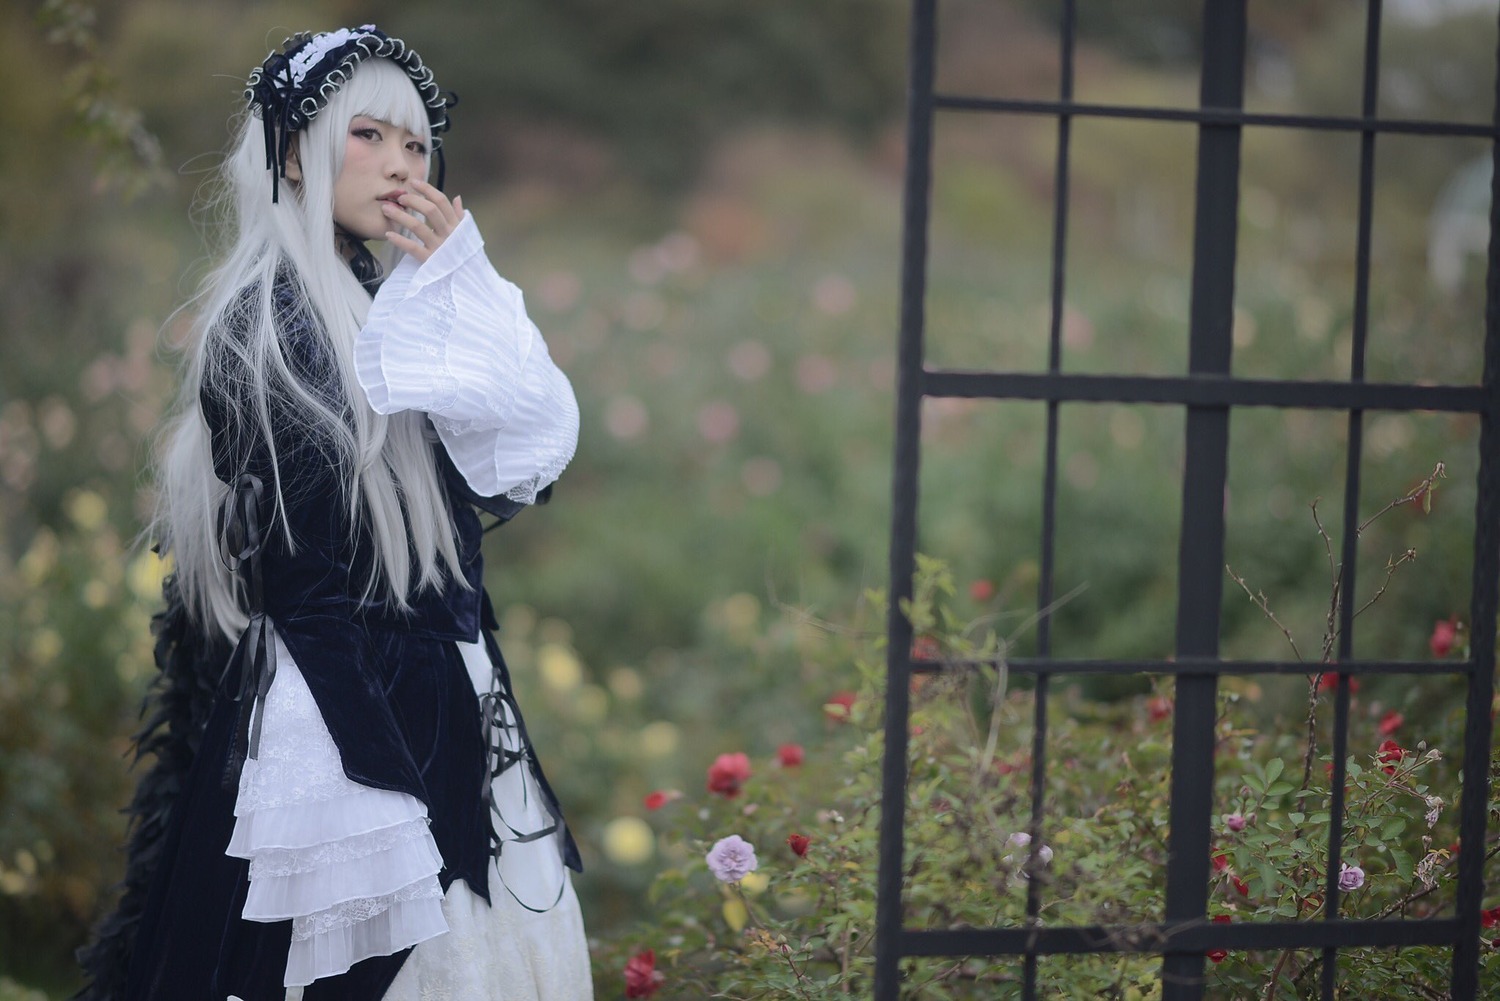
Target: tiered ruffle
[{"x": 354, "y": 868}]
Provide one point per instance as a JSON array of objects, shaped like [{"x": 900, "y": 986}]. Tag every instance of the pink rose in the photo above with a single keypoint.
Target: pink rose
[
  {"x": 1443, "y": 635},
  {"x": 728, "y": 773}
]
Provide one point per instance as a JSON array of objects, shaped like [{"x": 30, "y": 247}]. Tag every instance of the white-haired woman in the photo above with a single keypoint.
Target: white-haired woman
[{"x": 345, "y": 803}]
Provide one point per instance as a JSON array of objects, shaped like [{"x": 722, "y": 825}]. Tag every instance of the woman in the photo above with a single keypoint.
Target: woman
[{"x": 361, "y": 814}]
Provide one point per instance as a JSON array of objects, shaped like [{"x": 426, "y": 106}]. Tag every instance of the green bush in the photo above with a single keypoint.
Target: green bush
[{"x": 800, "y": 925}]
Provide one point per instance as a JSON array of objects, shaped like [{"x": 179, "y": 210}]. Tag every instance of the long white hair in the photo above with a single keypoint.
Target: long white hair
[{"x": 385, "y": 464}]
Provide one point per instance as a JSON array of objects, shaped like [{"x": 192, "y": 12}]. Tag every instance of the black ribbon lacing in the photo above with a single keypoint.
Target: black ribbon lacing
[
  {"x": 241, "y": 541},
  {"x": 492, "y": 706}
]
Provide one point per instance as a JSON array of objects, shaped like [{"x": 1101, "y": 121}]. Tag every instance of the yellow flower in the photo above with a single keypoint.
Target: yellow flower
[
  {"x": 626, "y": 683},
  {"x": 659, "y": 739},
  {"x": 590, "y": 704},
  {"x": 559, "y": 667},
  {"x": 628, "y": 841},
  {"x": 755, "y": 883},
  {"x": 45, "y": 646},
  {"x": 145, "y": 575},
  {"x": 87, "y": 509}
]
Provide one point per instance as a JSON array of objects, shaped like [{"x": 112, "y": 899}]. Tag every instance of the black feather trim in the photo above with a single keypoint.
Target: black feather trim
[{"x": 175, "y": 711}]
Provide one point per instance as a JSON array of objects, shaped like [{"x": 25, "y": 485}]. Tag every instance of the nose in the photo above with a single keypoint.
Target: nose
[{"x": 397, "y": 169}]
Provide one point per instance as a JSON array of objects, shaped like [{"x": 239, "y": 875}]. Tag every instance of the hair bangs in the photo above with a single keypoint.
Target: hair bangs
[{"x": 381, "y": 89}]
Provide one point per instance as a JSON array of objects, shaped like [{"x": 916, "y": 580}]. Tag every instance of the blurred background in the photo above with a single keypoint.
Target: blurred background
[{"x": 701, "y": 201}]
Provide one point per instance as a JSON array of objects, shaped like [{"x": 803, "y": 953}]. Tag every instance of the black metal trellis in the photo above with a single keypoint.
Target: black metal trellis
[{"x": 1208, "y": 394}]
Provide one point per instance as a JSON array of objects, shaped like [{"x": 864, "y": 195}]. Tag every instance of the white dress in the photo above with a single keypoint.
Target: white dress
[{"x": 355, "y": 868}]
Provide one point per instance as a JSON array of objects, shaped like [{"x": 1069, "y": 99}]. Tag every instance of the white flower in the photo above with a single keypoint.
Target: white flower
[
  {"x": 1434, "y": 810},
  {"x": 1021, "y": 839},
  {"x": 1425, "y": 867}
]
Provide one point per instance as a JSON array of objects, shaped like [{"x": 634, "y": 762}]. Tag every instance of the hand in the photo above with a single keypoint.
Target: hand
[{"x": 427, "y": 214}]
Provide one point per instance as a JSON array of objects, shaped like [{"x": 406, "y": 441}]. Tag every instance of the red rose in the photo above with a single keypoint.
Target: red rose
[
  {"x": 1489, "y": 918},
  {"x": 728, "y": 773},
  {"x": 1443, "y": 635},
  {"x": 1390, "y": 755},
  {"x": 642, "y": 978},
  {"x": 1329, "y": 682},
  {"x": 839, "y": 705},
  {"x": 982, "y": 590},
  {"x": 1240, "y": 885},
  {"x": 926, "y": 648},
  {"x": 798, "y": 843},
  {"x": 660, "y": 798},
  {"x": 1219, "y": 955},
  {"x": 1390, "y": 723},
  {"x": 790, "y": 755},
  {"x": 1159, "y": 708},
  {"x": 1221, "y": 862}
]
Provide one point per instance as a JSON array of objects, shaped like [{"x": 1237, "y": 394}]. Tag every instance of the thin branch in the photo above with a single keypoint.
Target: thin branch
[
  {"x": 1390, "y": 571},
  {"x": 1258, "y": 598},
  {"x": 1420, "y": 492}
]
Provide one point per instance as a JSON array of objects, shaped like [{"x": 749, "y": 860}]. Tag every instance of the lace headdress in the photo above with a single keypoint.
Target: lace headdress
[{"x": 287, "y": 91}]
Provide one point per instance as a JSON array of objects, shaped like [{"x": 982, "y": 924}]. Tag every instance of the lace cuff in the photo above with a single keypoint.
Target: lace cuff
[{"x": 355, "y": 868}]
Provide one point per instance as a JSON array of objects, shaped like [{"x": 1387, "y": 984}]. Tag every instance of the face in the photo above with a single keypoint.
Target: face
[{"x": 379, "y": 160}]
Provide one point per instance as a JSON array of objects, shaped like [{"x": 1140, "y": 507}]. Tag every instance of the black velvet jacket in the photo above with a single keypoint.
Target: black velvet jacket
[{"x": 391, "y": 686}]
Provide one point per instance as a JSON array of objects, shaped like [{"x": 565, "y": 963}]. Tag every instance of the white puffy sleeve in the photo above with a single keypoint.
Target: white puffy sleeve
[
  {"x": 451, "y": 338},
  {"x": 354, "y": 868}
]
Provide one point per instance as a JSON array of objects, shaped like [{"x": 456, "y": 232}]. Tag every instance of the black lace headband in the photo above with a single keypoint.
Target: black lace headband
[{"x": 289, "y": 89}]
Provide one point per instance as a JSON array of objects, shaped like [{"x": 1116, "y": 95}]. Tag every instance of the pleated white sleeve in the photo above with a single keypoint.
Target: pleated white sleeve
[
  {"x": 451, "y": 338},
  {"x": 354, "y": 868}
]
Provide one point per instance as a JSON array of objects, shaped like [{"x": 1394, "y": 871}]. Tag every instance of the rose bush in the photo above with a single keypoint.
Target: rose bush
[{"x": 799, "y": 923}]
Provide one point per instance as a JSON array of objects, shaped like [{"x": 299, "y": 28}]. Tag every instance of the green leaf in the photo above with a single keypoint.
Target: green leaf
[
  {"x": 1392, "y": 828},
  {"x": 1274, "y": 768}
]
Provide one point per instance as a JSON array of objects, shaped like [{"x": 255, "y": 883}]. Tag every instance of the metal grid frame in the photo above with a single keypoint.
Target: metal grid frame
[{"x": 1208, "y": 394}]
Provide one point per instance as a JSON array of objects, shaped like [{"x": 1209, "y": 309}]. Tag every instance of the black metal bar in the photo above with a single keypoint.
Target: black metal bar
[
  {"x": 918, "y": 195},
  {"x": 1045, "y": 579},
  {"x": 1206, "y": 390},
  {"x": 1478, "y": 724},
  {"x": 1205, "y": 474},
  {"x": 1199, "y": 665},
  {"x": 1349, "y": 542},
  {"x": 1223, "y": 116},
  {"x": 1195, "y": 937}
]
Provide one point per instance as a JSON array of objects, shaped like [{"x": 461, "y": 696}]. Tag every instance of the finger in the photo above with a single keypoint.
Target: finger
[
  {"x": 431, "y": 214},
  {"x": 458, "y": 206},
  {"x": 439, "y": 201},
  {"x": 410, "y": 246},
  {"x": 411, "y": 221}
]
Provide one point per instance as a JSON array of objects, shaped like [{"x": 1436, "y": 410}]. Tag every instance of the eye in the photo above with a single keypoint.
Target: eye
[
  {"x": 366, "y": 132},
  {"x": 418, "y": 147}
]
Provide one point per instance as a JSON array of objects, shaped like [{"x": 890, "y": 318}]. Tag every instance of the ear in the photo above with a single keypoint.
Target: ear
[{"x": 293, "y": 164}]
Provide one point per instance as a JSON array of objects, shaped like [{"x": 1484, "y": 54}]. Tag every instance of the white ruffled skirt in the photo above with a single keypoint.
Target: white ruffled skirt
[{"x": 355, "y": 869}]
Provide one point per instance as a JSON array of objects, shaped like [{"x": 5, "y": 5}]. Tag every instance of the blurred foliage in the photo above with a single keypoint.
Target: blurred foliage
[{"x": 702, "y": 204}]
